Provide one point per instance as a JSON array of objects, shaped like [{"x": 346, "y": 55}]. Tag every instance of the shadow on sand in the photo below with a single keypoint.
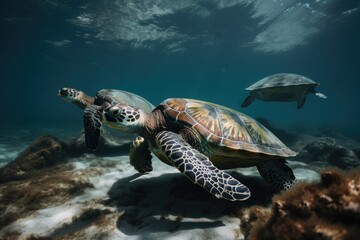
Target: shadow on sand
[{"x": 171, "y": 202}]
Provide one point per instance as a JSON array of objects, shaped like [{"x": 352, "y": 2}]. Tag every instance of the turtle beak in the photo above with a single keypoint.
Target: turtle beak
[{"x": 62, "y": 91}]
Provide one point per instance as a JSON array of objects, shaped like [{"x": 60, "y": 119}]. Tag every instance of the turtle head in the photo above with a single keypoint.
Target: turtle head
[
  {"x": 126, "y": 117},
  {"x": 69, "y": 94},
  {"x": 75, "y": 96}
]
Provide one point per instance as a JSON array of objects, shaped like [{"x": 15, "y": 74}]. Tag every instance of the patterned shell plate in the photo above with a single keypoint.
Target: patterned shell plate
[
  {"x": 225, "y": 127},
  {"x": 125, "y": 98},
  {"x": 282, "y": 80}
]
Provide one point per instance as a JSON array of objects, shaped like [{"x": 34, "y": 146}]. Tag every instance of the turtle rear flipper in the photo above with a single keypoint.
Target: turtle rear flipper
[
  {"x": 321, "y": 95},
  {"x": 277, "y": 173},
  {"x": 198, "y": 168},
  {"x": 247, "y": 101},
  {"x": 92, "y": 125}
]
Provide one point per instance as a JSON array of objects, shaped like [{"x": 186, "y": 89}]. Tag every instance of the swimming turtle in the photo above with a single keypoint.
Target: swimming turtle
[
  {"x": 201, "y": 139},
  {"x": 93, "y": 107},
  {"x": 282, "y": 87}
]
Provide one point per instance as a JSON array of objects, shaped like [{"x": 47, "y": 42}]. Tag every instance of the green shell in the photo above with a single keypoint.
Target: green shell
[
  {"x": 224, "y": 127},
  {"x": 282, "y": 80},
  {"x": 114, "y": 96}
]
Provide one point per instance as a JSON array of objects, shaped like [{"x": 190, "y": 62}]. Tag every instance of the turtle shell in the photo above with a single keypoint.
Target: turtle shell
[
  {"x": 282, "y": 80},
  {"x": 224, "y": 127},
  {"x": 114, "y": 96}
]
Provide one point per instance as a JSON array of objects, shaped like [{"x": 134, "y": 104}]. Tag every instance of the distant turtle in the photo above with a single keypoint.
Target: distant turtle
[
  {"x": 282, "y": 87},
  {"x": 94, "y": 114},
  {"x": 200, "y": 138}
]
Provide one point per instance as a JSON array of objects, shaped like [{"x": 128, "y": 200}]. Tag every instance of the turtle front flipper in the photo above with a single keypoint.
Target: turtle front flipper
[
  {"x": 301, "y": 101},
  {"x": 198, "y": 168},
  {"x": 277, "y": 173},
  {"x": 248, "y": 100},
  {"x": 92, "y": 125},
  {"x": 140, "y": 155}
]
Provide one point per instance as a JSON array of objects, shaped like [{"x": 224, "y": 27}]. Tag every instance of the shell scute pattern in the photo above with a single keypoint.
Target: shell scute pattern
[
  {"x": 225, "y": 127},
  {"x": 175, "y": 104},
  {"x": 205, "y": 115}
]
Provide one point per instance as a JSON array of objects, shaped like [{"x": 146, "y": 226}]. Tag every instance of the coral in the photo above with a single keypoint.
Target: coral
[
  {"x": 329, "y": 209},
  {"x": 252, "y": 217}
]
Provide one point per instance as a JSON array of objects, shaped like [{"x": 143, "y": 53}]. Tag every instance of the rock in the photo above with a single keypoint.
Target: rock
[
  {"x": 48, "y": 151},
  {"x": 42, "y": 153},
  {"x": 325, "y": 151}
]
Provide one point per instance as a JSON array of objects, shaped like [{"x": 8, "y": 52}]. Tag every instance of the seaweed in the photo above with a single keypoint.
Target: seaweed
[{"x": 328, "y": 209}]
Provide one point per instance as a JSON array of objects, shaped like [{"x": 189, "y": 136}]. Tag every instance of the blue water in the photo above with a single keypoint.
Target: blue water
[{"x": 209, "y": 50}]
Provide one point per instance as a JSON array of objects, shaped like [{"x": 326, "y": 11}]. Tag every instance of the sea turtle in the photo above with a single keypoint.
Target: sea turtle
[
  {"x": 93, "y": 107},
  {"x": 282, "y": 87},
  {"x": 200, "y": 138}
]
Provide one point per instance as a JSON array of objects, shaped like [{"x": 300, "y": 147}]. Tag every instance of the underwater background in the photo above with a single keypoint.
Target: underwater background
[
  {"x": 202, "y": 49},
  {"x": 209, "y": 50}
]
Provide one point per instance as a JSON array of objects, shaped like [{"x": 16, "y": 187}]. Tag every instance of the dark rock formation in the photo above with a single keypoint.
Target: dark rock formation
[
  {"x": 48, "y": 151},
  {"x": 44, "y": 152},
  {"x": 329, "y": 209},
  {"x": 325, "y": 151}
]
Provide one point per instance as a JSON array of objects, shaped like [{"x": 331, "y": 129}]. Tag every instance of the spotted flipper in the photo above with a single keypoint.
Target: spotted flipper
[
  {"x": 198, "y": 168},
  {"x": 277, "y": 173},
  {"x": 92, "y": 125},
  {"x": 140, "y": 155}
]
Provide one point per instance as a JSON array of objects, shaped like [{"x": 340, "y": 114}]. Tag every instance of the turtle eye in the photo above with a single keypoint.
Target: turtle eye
[{"x": 113, "y": 111}]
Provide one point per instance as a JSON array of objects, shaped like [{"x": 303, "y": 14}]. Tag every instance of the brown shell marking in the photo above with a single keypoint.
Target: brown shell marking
[{"x": 224, "y": 126}]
